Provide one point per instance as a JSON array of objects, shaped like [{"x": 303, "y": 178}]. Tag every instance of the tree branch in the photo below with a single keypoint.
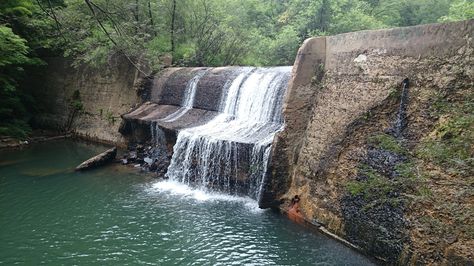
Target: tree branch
[{"x": 88, "y": 2}]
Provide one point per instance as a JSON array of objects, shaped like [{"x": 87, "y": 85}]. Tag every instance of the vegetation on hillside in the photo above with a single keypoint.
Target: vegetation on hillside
[
  {"x": 218, "y": 32},
  {"x": 191, "y": 32},
  {"x": 24, "y": 30}
]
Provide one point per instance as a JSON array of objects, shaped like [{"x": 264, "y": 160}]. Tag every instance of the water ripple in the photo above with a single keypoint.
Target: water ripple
[{"x": 107, "y": 218}]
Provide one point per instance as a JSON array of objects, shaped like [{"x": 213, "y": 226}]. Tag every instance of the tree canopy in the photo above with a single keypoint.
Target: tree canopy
[{"x": 229, "y": 32}]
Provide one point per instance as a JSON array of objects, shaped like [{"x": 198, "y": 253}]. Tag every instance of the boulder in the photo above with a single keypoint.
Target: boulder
[{"x": 98, "y": 160}]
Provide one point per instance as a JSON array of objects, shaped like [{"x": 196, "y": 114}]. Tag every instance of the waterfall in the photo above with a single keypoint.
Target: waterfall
[
  {"x": 401, "y": 120},
  {"x": 231, "y": 151},
  {"x": 188, "y": 100}
]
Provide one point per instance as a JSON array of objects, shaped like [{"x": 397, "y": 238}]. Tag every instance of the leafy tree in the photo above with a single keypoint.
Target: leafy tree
[
  {"x": 18, "y": 34},
  {"x": 218, "y": 32},
  {"x": 13, "y": 54},
  {"x": 459, "y": 10}
]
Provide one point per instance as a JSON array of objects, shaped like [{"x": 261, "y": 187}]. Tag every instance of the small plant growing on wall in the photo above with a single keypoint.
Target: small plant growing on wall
[
  {"x": 75, "y": 108},
  {"x": 109, "y": 116}
]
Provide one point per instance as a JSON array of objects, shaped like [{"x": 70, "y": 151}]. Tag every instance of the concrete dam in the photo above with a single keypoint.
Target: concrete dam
[{"x": 212, "y": 126}]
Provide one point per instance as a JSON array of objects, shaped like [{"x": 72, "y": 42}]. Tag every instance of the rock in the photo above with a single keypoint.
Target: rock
[
  {"x": 148, "y": 160},
  {"x": 124, "y": 161},
  {"x": 132, "y": 156},
  {"x": 361, "y": 58},
  {"x": 451, "y": 239},
  {"x": 98, "y": 160},
  {"x": 153, "y": 167},
  {"x": 383, "y": 161}
]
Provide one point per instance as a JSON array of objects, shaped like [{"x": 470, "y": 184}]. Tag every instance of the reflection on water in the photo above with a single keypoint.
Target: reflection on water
[{"x": 114, "y": 215}]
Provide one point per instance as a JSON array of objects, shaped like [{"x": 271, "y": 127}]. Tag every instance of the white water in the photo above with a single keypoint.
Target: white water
[
  {"x": 231, "y": 151},
  {"x": 200, "y": 194},
  {"x": 189, "y": 95}
]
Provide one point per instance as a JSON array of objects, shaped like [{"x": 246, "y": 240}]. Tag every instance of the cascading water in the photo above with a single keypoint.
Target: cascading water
[
  {"x": 401, "y": 120},
  {"x": 231, "y": 151},
  {"x": 189, "y": 95}
]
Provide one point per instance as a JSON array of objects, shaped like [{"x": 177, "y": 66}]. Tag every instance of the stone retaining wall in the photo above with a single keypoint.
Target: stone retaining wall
[{"x": 105, "y": 94}]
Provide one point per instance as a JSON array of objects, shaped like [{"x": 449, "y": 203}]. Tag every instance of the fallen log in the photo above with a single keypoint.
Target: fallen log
[{"x": 98, "y": 160}]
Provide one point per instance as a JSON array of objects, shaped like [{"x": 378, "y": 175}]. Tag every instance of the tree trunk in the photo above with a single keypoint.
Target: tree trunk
[
  {"x": 173, "y": 18},
  {"x": 136, "y": 16},
  {"x": 324, "y": 16},
  {"x": 152, "y": 24}
]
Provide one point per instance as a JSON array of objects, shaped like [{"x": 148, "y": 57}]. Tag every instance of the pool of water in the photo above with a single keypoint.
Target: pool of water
[{"x": 50, "y": 214}]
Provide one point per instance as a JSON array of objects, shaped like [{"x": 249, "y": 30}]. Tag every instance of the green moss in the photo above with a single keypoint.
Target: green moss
[
  {"x": 377, "y": 189},
  {"x": 407, "y": 170},
  {"x": 452, "y": 146},
  {"x": 355, "y": 187},
  {"x": 387, "y": 142},
  {"x": 375, "y": 186},
  {"x": 412, "y": 181},
  {"x": 394, "y": 93}
]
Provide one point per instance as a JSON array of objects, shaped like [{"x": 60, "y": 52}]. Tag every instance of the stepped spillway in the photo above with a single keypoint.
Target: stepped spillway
[{"x": 224, "y": 124}]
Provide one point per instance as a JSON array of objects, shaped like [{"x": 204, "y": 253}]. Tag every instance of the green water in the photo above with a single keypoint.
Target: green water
[{"x": 52, "y": 215}]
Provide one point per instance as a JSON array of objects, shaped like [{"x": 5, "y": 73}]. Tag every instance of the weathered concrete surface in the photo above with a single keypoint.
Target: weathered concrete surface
[
  {"x": 208, "y": 94},
  {"x": 327, "y": 117},
  {"x": 98, "y": 160},
  {"x": 166, "y": 95},
  {"x": 169, "y": 86},
  {"x": 105, "y": 94},
  {"x": 299, "y": 100}
]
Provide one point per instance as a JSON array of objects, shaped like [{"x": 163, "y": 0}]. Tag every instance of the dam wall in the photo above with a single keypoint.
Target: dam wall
[
  {"x": 210, "y": 127},
  {"x": 344, "y": 93},
  {"x": 103, "y": 95}
]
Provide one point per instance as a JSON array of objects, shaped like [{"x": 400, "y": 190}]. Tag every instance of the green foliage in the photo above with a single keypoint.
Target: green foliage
[
  {"x": 453, "y": 145},
  {"x": 109, "y": 116},
  {"x": 75, "y": 103},
  {"x": 459, "y": 10},
  {"x": 282, "y": 50},
  {"x": 16, "y": 8},
  {"x": 13, "y": 48},
  {"x": 374, "y": 187},
  {"x": 13, "y": 55},
  {"x": 22, "y": 30},
  {"x": 231, "y": 32},
  {"x": 387, "y": 142},
  {"x": 15, "y": 128}
]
